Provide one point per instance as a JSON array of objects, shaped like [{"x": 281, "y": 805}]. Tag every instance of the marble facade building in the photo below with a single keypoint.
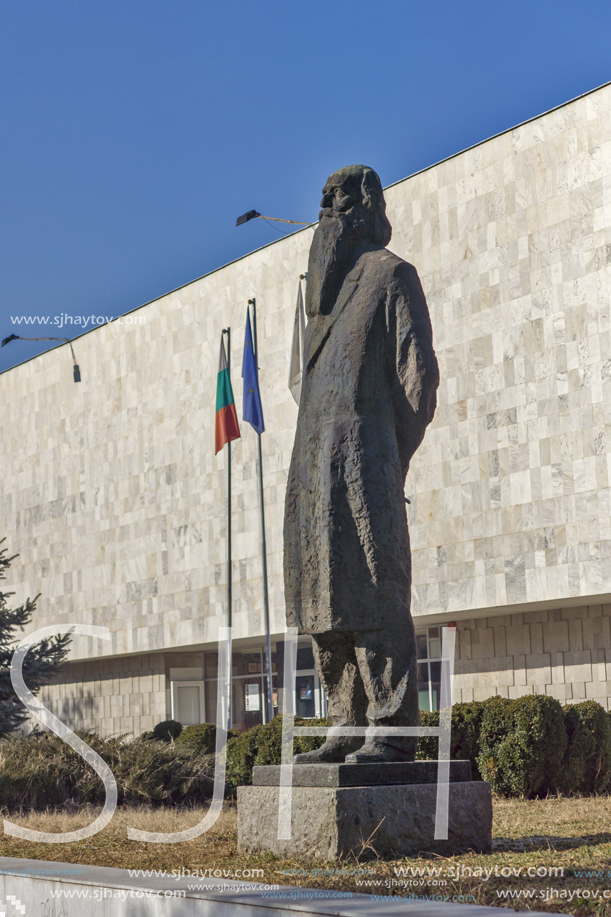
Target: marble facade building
[{"x": 113, "y": 497}]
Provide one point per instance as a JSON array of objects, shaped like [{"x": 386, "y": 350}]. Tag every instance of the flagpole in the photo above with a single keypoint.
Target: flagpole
[
  {"x": 227, "y": 331},
  {"x": 268, "y": 647}
]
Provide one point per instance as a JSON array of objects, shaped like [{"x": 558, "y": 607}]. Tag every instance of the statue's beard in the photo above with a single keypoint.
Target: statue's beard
[{"x": 331, "y": 256}]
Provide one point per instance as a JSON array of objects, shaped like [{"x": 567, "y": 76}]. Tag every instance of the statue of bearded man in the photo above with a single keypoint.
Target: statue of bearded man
[{"x": 368, "y": 393}]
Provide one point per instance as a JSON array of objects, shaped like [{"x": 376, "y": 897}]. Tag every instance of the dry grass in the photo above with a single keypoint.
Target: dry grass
[
  {"x": 111, "y": 846},
  {"x": 573, "y": 834}
]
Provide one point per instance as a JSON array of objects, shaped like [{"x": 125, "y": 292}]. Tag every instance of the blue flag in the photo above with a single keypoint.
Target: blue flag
[{"x": 252, "y": 411}]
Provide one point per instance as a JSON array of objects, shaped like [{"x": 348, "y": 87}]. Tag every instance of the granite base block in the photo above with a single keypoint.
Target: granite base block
[
  {"x": 360, "y": 774},
  {"x": 328, "y": 823}
]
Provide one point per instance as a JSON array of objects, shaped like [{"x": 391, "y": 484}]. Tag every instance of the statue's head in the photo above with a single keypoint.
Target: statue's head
[
  {"x": 357, "y": 192},
  {"x": 352, "y": 220}
]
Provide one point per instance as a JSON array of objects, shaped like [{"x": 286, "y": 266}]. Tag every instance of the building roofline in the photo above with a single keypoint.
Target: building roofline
[
  {"x": 508, "y": 130},
  {"x": 399, "y": 181}
]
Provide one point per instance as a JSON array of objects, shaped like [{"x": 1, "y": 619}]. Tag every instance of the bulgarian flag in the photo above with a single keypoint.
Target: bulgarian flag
[{"x": 226, "y": 425}]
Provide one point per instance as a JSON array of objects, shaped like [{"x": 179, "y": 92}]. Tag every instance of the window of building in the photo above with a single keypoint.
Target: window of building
[
  {"x": 248, "y": 687},
  {"x": 428, "y": 648}
]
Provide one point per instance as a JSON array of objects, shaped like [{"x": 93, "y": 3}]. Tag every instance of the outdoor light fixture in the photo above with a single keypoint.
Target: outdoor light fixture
[
  {"x": 17, "y": 337},
  {"x": 253, "y": 214}
]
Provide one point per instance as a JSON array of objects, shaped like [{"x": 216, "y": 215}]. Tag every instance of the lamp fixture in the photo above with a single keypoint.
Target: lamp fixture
[
  {"x": 254, "y": 214},
  {"x": 17, "y": 337}
]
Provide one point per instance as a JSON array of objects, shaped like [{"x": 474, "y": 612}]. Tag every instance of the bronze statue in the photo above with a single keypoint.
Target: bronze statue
[{"x": 368, "y": 393}]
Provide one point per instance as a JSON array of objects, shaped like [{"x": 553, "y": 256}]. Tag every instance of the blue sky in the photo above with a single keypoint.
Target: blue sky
[{"x": 134, "y": 133}]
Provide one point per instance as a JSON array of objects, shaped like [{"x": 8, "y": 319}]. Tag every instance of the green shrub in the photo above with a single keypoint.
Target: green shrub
[
  {"x": 241, "y": 753},
  {"x": 494, "y": 729},
  {"x": 168, "y": 730},
  {"x": 40, "y": 771},
  {"x": 516, "y": 756},
  {"x": 428, "y": 746},
  {"x": 149, "y": 771},
  {"x": 201, "y": 738},
  {"x": 466, "y": 727},
  {"x": 522, "y": 744},
  {"x": 586, "y": 767},
  {"x": 263, "y": 745}
]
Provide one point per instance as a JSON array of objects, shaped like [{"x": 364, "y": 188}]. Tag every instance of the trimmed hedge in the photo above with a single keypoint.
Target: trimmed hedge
[
  {"x": 520, "y": 751},
  {"x": 586, "y": 767},
  {"x": 466, "y": 727},
  {"x": 522, "y": 745}
]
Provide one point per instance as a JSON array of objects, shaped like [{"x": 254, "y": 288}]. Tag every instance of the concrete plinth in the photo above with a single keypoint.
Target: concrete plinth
[
  {"x": 330, "y": 822},
  {"x": 360, "y": 774}
]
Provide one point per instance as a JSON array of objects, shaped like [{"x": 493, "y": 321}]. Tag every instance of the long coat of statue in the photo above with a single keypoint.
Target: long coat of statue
[{"x": 368, "y": 393}]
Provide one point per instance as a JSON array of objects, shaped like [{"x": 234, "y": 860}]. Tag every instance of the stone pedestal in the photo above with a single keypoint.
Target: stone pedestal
[{"x": 338, "y": 809}]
